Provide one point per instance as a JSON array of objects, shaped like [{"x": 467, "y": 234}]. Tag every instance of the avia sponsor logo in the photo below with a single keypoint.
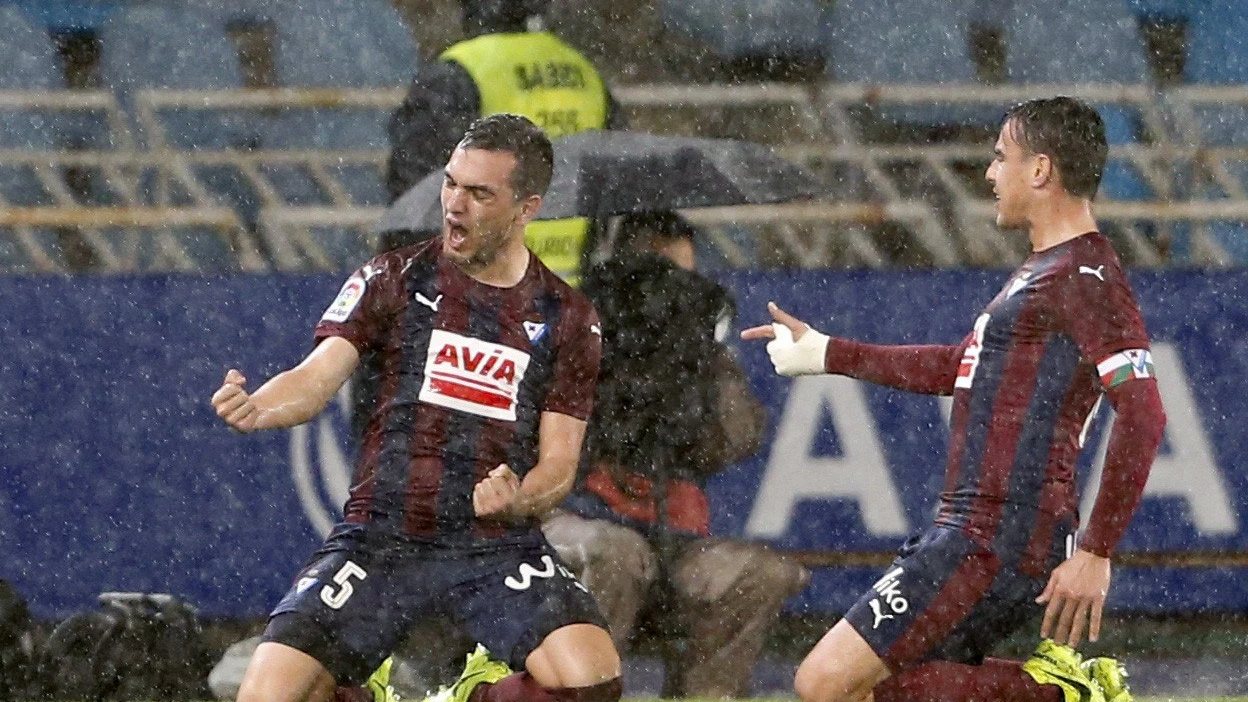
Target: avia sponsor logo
[
  {"x": 890, "y": 601},
  {"x": 474, "y": 376},
  {"x": 970, "y": 357},
  {"x": 348, "y": 298},
  {"x": 320, "y": 464}
]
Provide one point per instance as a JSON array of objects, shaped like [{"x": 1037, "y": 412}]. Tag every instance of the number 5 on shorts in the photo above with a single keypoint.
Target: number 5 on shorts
[{"x": 335, "y": 600}]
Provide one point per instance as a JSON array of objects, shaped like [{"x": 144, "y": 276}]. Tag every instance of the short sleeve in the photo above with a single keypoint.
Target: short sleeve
[
  {"x": 577, "y": 362},
  {"x": 1097, "y": 308},
  {"x": 358, "y": 313}
]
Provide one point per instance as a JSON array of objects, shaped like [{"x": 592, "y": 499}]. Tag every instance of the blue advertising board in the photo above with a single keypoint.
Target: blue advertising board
[{"x": 117, "y": 474}]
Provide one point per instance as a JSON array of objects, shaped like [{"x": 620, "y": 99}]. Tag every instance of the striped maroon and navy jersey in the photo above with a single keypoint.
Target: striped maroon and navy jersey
[
  {"x": 467, "y": 369},
  {"x": 1064, "y": 328}
]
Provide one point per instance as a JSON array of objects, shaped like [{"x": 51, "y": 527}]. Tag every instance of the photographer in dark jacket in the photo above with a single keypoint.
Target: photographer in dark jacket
[{"x": 673, "y": 408}]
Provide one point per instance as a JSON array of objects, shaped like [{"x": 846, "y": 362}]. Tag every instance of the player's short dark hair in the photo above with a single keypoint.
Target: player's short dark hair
[
  {"x": 1068, "y": 131},
  {"x": 515, "y": 134}
]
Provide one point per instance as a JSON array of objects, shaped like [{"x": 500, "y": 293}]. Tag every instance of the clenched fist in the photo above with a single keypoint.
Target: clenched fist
[
  {"x": 495, "y": 495},
  {"x": 233, "y": 404}
]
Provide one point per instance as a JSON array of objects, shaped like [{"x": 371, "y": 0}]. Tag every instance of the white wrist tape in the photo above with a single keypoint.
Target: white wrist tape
[{"x": 802, "y": 357}]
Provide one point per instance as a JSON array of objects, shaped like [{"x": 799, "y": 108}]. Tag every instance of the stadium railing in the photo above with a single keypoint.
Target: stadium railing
[
  {"x": 929, "y": 196},
  {"x": 108, "y": 215},
  {"x": 1155, "y": 153}
]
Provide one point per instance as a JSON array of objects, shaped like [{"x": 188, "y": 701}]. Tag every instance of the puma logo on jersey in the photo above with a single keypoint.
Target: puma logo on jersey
[
  {"x": 431, "y": 304},
  {"x": 474, "y": 376},
  {"x": 1099, "y": 271}
]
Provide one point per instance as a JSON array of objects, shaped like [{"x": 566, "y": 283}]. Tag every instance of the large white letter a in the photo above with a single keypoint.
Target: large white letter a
[{"x": 793, "y": 474}]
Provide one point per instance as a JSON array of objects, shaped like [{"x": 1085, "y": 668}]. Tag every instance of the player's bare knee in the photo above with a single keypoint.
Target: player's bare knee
[
  {"x": 818, "y": 682},
  {"x": 574, "y": 656},
  {"x": 270, "y": 689}
]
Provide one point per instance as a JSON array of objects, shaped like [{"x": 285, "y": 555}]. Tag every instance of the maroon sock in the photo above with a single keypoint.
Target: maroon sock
[
  {"x": 996, "y": 680},
  {"x": 521, "y": 687},
  {"x": 352, "y": 694}
]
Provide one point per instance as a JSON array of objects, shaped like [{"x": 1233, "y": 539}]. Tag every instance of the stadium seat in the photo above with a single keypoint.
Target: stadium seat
[
  {"x": 1121, "y": 180},
  {"x": 1074, "y": 41},
  {"x": 342, "y": 43},
  {"x": 157, "y": 46},
  {"x": 178, "y": 48},
  {"x": 906, "y": 41},
  {"x": 240, "y": 12},
  {"x": 1100, "y": 43},
  {"x": 336, "y": 44},
  {"x": 1169, "y": 9},
  {"x": 1215, "y": 43},
  {"x": 30, "y": 63},
  {"x": 1217, "y": 56},
  {"x": 68, "y": 16},
  {"x": 746, "y": 29}
]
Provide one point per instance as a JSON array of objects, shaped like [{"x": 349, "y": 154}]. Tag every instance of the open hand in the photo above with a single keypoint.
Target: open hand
[
  {"x": 496, "y": 494},
  {"x": 1075, "y": 596},
  {"x": 233, "y": 403}
]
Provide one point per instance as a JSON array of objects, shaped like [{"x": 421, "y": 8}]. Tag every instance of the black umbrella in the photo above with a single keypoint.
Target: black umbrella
[{"x": 602, "y": 173}]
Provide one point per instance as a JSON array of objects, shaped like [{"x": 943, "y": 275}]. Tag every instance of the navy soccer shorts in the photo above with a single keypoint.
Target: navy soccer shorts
[
  {"x": 360, "y": 594},
  {"x": 945, "y": 598}
]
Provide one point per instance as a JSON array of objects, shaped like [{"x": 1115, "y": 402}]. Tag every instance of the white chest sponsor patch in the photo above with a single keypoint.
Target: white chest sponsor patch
[
  {"x": 343, "y": 305},
  {"x": 474, "y": 376}
]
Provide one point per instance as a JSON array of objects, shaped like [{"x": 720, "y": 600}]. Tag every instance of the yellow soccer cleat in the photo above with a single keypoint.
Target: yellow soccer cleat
[
  {"x": 478, "y": 668},
  {"x": 379, "y": 683},
  {"x": 1111, "y": 676},
  {"x": 1055, "y": 664}
]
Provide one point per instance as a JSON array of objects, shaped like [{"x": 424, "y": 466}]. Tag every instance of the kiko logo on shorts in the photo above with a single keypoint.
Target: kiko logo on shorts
[
  {"x": 890, "y": 601},
  {"x": 474, "y": 376}
]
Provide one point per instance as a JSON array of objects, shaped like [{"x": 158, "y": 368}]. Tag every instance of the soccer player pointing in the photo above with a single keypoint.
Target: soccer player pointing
[
  {"x": 1063, "y": 333},
  {"x": 487, "y": 363}
]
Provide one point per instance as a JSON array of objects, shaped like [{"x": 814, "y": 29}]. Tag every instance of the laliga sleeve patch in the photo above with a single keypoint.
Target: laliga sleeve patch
[
  {"x": 1125, "y": 365},
  {"x": 348, "y": 298}
]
